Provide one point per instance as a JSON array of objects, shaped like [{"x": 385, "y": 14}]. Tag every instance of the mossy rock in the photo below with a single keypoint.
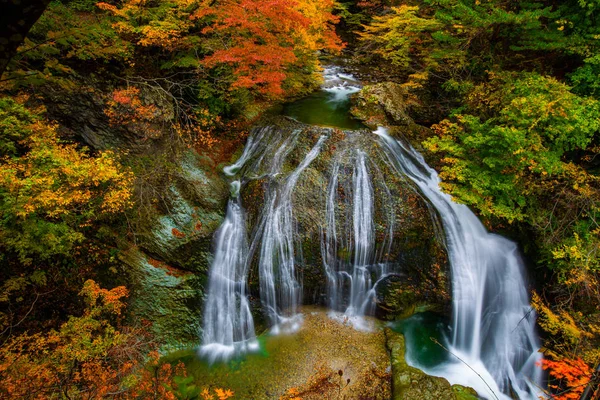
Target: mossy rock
[
  {"x": 194, "y": 207},
  {"x": 169, "y": 298},
  {"x": 382, "y": 104},
  {"x": 409, "y": 383},
  {"x": 464, "y": 393},
  {"x": 418, "y": 251}
]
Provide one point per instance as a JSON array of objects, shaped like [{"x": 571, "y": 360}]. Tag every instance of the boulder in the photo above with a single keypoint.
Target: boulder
[
  {"x": 417, "y": 252},
  {"x": 380, "y": 104},
  {"x": 166, "y": 298},
  {"x": 410, "y": 383}
]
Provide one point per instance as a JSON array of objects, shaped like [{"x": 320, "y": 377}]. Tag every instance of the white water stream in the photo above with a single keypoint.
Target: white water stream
[
  {"x": 228, "y": 323},
  {"x": 280, "y": 288},
  {"x": 493, "y": 328}
]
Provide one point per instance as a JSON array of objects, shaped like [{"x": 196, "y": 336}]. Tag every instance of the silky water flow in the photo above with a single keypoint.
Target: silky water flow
[{"x": 493, "y": 342}]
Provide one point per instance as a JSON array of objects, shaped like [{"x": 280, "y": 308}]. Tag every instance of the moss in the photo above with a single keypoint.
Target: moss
[
  {"x": 464, "y": 393},
  {"x": 170, "y": 300},
  {"x": 409, "y": 383},
  {"x": 382, "y": 104}
]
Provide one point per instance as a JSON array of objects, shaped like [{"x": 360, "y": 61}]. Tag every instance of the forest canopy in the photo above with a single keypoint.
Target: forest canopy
[{"x": 145, "y": 74}]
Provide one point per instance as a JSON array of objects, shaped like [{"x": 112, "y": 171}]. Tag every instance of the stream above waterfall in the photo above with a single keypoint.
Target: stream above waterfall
[
  {"x": 354, "y": 220},
  {"x": 329, "y": 106}
]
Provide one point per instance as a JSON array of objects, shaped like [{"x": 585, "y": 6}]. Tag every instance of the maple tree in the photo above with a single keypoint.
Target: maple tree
[
  {"x": 399, "y": 35},
  {"x": 574, "y": 374},
  {"x": 51, "y": 191},
  {"x": 238, "y": 52},
  {"x": 263, "y": 38},
  {"x": 56, "y": 202}
]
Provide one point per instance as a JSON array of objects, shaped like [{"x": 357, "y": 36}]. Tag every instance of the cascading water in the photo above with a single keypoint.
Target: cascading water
[
  {"x": 228, "y": 323},
  {"x": 492, "y": 326},
  {"x": 364, "y": 236},
  {"x": 339, "y": 84},
  {"x": 350, "y": 230},
  {"x": 228, "y": 327},
  {"x": 280, "y": 289}
]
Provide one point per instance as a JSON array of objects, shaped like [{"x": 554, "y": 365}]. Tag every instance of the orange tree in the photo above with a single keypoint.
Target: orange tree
[
  {"x": 221, "y": 57},
  {"x": 210, "y": 61}
]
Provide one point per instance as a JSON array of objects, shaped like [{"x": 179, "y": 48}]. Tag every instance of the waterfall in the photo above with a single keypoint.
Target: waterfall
[
  {"x": 493, "y": 328},
  {"x": 364, "y": 235},
  {"x": 228, "y": 323},
  {"x": 493, "y": 340},
  {"x": 329, "y": 248},
  {"x": 353, "y": 276},
  {"x": 280, "y": 290}
]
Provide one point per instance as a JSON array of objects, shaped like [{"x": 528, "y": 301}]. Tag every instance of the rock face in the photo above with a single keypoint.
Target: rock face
[
  {"x": 417, "y": 249},
  {"x": 382, "y": 103},
  {"x": 181, "y": 197},
  {"x": 170, "y": 299},
  {"x": 389, "y": 104},
  {"x": 409, "y": 383},
  {"x": 168, "y": 267}
]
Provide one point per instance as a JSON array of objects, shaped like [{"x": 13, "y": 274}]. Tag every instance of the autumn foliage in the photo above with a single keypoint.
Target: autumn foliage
[
  {"x": 87, "y": 357},
  {"x": 219, "y": 56},
  {"x": 51, "y": 191},
  {"x": 573, "y": 377},
  {"x": 265, "y": 37},
  {"x": 94, "y": 356}
]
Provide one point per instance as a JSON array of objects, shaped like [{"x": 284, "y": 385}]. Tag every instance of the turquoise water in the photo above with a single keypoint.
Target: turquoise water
[
  {"x": 418, "y": 331},
  {"x": 323, "y": 108}
]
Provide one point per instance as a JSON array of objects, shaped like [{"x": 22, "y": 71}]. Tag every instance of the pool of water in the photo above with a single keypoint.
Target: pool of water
[
  {"x": 323, "y": 108},
  {"x": 329, "y": 106},
  {"x": 418, "y": 331},
  {"x": 322, "y": 346},
  {"x": 259, "y": 375}
]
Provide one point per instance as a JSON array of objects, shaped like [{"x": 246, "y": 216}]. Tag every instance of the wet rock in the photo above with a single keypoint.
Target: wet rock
[
  {"x": 174, "y": 254},
  {"x": 307, "y": 364},
  {"x": 464, "y": 393},
  {"x": 194, "y": 209},
  {"x": 384, "y": 103},
  {"x": 409, "y": 383},
  {"x": 417, "y": 251},
  {"x": 166, "y": 297}
]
